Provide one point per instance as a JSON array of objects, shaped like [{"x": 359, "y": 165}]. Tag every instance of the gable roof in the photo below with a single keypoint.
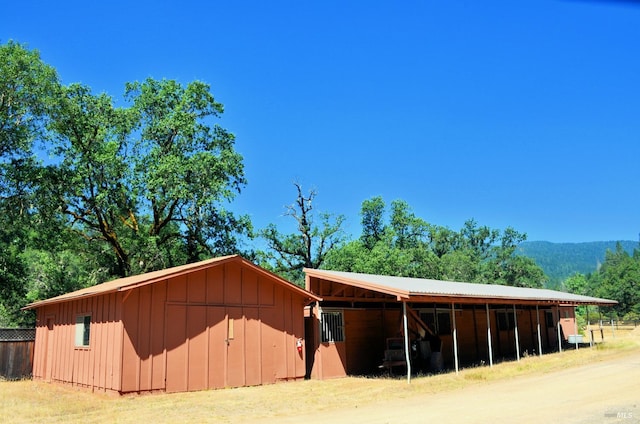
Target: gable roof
[
  {"x": 134, "y": 281},
  {"x": 405, "y": 288}
]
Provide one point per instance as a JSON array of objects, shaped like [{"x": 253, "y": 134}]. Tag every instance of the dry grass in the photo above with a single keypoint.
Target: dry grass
[{"x": 28, "y": 401}]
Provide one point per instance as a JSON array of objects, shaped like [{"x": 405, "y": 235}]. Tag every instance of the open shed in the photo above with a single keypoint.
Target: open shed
[
  {"x": 365, "y": 322},
  {"x": 223, "y": 322}
]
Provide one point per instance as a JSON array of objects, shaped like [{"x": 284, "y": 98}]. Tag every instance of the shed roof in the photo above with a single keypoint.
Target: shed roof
[
  {"x": 134, "y": 281},
  {"x": 407, "y": 288}
]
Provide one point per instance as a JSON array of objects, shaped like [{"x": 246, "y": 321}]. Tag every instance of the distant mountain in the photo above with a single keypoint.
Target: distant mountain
[{"x": 561, "y": 260}]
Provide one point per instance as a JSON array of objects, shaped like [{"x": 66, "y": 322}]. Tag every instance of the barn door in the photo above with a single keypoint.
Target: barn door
[
  {"x": 205, "y": 348},
  {"x": 217, "y": 322},
  {"x": 235, "y": 348}
]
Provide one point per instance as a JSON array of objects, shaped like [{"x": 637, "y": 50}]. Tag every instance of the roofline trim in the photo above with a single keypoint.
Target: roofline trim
[
  {"x": 182, "y": 270},
  {"x": 400, "y": 294},
  {"x": 403, "y": 295}
]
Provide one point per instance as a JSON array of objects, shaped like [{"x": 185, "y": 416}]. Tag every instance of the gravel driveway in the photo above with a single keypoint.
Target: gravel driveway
[{"x": 605, "y": 392}]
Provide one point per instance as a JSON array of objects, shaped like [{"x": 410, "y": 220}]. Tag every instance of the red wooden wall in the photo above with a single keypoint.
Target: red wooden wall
[
  {"x": 223, "y": 326},
  {"x": 56, "y": 358},
  {"x": 226, "y": 326},
  {"x": 367, "y": 329}
]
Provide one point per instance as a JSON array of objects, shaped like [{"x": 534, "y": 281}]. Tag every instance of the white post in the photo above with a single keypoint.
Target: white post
[
  {"x": 407, "y": 353},
  {"x": 515, "y": 322},
  {"x": 575, "y": 325},
  {"x": 455, "y": 336},
  {"x": 559, "y": 336},
  {"x": 489, "y": 337},
  {"x": 539, "y": 336},
  {"x": 589, "y": 329},
  {"x": 613, "y": 329}
]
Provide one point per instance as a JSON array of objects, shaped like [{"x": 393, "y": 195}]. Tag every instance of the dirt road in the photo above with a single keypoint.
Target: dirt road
[{"x": 606, "y": 392}]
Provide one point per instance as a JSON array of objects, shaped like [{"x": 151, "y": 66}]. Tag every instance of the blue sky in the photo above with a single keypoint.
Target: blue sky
[{"x": 522, "y": 114}]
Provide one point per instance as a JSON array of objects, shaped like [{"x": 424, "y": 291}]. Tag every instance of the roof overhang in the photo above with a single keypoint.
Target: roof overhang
[
  {"x": 136, "y": 281},
  {"x": 398, "y": 293},
  {"x": 406, "y": 289}
]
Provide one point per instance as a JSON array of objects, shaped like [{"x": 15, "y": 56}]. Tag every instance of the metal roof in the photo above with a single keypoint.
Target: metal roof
[
  {"x": 135, "y": 281},
  {"x": 405, "y": 287}
]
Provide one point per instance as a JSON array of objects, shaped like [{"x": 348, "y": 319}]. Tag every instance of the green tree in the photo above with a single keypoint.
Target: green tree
[
  {"x": 372, "y": 220},
  {"x": 149, "y": 180},
  {"x": 409, "y": 230},
  {"x": 125, "y": 189},
  {"x": 479, "y": 240},
  {"x": 502, "y": 266},
  {"x": 620, "y": 280},
  {"x": 90, "y": 184},
  {"x": 577, "y": 284},
  {"x": 442, "y": 240},
  {"x": 410, "y": 246},
  {"x": 27, "y": 87}
]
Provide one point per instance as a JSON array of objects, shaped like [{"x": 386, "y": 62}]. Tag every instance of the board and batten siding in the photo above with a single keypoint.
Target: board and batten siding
[
  {"x": 224, "y": 323},
  {"x": 56, "y": 358},
  {"x": 225, "y": 326}
]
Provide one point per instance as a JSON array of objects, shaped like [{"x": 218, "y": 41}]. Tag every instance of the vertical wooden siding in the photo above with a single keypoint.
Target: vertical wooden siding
[
  {"x": 366, "y": 330},
  {"x": 16, "y": 359},
  {"x": 186, "y": 345},
  {"x": 56, "y": 357},
  {"x": 365, "y": 340}
]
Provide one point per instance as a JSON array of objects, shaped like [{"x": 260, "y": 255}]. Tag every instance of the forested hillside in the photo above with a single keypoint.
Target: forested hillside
[{"x": 560, "y": 260}]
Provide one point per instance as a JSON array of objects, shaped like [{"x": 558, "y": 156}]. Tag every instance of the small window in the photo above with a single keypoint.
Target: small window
[
  {"x": 331, "y": 327},
  {"x": 444, "y": 323},
  {"x": 440, "y": 322},
  {"x": 505, "y": 320},
  {"x": 427, "y": 318},
  {"x": 548, "y": 317},
  {"x": 83, "y": 330}
]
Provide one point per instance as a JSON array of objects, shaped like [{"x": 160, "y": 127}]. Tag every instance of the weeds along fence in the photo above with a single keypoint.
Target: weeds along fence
[{"x": 16, "y": 352}]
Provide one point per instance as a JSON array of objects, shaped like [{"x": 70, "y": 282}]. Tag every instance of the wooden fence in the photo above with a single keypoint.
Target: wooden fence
[{"x": 16, "y": 352}]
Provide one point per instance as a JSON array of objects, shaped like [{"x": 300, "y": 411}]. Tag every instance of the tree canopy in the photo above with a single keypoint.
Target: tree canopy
[
  {"x": 90, "y": 190},
  {"x": 618, "y": 279},
  {"x": 407, "y": 245}
]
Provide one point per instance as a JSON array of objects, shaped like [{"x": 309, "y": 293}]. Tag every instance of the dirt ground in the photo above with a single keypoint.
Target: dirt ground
[
  {"x": 599, "y": 385},
  {"x": 605, "y": 392}
]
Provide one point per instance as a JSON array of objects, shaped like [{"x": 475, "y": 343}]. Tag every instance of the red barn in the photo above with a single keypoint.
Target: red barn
[
  {"x": 366, "y": 322},
  {"x": 223, "y": 322}
]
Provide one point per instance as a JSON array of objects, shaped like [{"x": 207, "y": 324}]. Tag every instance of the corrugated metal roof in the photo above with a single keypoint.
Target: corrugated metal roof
[
  {"x": 155, "y": 276},
  {"x": 408, "y": 287}
]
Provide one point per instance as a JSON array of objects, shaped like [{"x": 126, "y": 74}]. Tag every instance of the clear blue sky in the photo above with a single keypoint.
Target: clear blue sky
[{"x": 522, "y": 114}]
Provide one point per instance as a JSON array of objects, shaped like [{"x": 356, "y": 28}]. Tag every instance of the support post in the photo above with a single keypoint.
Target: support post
[
  {"x": 589, "y": 328},
  {"x": 538, "y": 330},
  {"x": 489, "y": 337},
  {"x": 559, "y": 335},
  {"x": 455, "y": 337},
  {"x": 515, "y": 331},
  {"x": 407, "y": 352},
  {"x": 613, "y": 329},
  {"x": 575, "y": 325}
]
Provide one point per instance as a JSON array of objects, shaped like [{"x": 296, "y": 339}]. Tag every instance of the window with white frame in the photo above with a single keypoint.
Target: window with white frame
[
  {"x": 83, "y": 330},
  {"x": 331, "y": 326}
]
